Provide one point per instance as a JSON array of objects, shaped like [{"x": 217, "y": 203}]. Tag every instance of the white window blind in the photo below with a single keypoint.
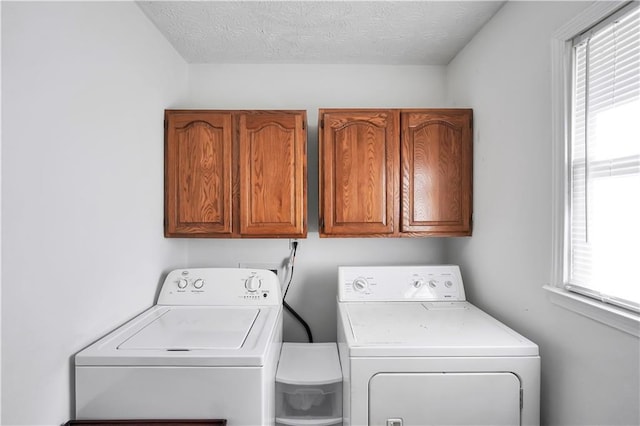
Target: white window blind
[{"x": 604, "y": 218}]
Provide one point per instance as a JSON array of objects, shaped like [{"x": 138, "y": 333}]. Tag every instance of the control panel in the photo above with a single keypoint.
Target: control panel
[
  {"x": 433, "y": 283},
  {"x": 220, "y": 287}
]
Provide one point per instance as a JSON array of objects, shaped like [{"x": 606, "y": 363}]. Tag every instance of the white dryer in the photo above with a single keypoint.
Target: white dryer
[
  {"x": 414, "y": 352},
  {"x": 208, "y": 349}
]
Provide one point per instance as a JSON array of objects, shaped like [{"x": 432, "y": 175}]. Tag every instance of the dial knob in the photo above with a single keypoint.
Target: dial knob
[
  {"x": 360, "y": 284},
  {"x": 417, "y": 283},
  {"x": 432, "y": 283},
  {"x": 182, "y": 283},
  {"x": 448, "y": 284},
  {"x": 253, "y": 283},
  {"x": 198, "y": 283}
]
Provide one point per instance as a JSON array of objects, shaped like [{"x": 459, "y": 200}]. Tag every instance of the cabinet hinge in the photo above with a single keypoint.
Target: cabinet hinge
[
  {"x": 165, "y": 124},
  {"x": 322, "y": 123},
  {"x": 304, "y": 125}
]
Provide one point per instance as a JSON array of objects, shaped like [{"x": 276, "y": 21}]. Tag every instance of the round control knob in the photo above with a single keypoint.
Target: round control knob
[
  {"x": 417, "y": 283},
  {"x": 253, "y": 283},
  {"x": 198, "y": 283},
  {"x": 182, "y": 283},
  {"x": 448, "y": 284},
  {"x": 432, "y": 283},
  {"x": 360, "y": 284}
]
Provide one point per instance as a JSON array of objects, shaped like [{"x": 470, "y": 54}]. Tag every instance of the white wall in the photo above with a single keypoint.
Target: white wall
[
  {"x": 84, "y": 86},
  {"x": 309, "y": 87},
  {"x": 590, "y": 372}
]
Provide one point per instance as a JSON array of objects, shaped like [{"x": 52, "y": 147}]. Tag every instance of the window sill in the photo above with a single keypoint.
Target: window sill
[{"x": 610, "y": 315}]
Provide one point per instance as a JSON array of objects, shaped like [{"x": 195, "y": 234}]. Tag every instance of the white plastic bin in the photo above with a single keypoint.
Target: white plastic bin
[{"x": 309, "y": 385}]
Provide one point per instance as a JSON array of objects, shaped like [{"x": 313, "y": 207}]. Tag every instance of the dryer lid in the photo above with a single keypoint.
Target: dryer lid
[
  {"x": 192, "y": 329},
  {"x": 430, "y": 329}
]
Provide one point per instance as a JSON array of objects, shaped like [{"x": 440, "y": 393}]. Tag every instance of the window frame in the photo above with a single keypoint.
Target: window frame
[{"x": 561, "y": 121}]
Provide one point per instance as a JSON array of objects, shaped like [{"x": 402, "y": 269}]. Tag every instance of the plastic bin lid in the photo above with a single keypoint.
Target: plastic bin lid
[
  {"x": 309, "y": 364},
  {"x": 309, "y": 422}
]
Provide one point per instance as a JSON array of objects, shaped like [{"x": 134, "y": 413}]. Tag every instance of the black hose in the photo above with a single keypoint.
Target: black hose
[
  {"x": 286, "y": 290},
  {"x": 300, "y": 320}
]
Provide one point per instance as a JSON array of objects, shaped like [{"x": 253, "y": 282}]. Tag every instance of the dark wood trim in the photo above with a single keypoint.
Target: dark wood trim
[{"x": 213, "y": 422}]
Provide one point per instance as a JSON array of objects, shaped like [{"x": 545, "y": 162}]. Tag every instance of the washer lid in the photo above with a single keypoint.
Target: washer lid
[
  {"x": 429, "y": 329},
  {"x": 235, "y": 336},
  {"x": 178, "y": 330}
]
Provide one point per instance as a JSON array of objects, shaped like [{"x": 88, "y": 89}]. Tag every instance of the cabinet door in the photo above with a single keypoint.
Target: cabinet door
[
  {"x": 272, "y": 174},
  {"x": 359, "y": 172},
  {"x": 198, "y": 165},
  {"x": 437, "y": 171}
]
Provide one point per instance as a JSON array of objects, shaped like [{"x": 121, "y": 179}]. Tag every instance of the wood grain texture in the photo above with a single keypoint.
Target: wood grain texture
[
  {"x": 234, "y": 174},
  {"x": 272, "y": 174},
  {"x": 395, "y": 173},
  {"x": 359, "y": 151},
  {"x": 198, "y": 181},
  {"x": 437, "y": 171}
]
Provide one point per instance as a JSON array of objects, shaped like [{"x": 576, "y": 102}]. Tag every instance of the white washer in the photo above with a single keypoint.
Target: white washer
[
  {"x": 415, "y": 353},
  {"x": 208, "y": 349}
]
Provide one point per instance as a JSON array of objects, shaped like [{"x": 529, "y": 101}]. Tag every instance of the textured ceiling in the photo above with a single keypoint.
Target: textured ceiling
[{"x": 319, "y": 32}]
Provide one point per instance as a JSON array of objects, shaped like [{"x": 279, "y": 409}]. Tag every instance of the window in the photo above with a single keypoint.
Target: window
[
  {"x": 604, "y": 233},
  {"x": 598, "y": 200}
]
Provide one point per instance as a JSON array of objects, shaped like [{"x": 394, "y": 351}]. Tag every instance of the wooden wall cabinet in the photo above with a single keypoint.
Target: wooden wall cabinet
[
  {"x": 235, "y": 174},
  {"x": 395, "y": 173}
]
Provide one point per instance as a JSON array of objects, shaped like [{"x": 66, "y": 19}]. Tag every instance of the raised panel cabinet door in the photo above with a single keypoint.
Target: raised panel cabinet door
[
  {"x": 359, "y": 169},
  {"x": 198, "y": 173},
  {"x": 437, "y": 176},
  {"x": 273, "y": 172}
]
